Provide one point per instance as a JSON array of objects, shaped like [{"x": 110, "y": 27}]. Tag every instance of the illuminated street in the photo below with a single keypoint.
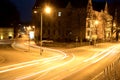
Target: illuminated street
[
  {"x": 82, "y": 63},
  {"x": 60, "y": 40}
]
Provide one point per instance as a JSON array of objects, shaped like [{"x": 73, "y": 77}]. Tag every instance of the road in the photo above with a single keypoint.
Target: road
[
  {"x": 68, "y": 65},
  {"x": 7, "y": 41}
]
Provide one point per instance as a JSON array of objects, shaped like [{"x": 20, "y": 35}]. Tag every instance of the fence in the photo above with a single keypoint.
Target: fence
[{"x": 111, "y": 72}]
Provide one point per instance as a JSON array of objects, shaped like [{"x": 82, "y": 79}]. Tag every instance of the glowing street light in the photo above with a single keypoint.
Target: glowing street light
[{"x": 48, "y": 11}]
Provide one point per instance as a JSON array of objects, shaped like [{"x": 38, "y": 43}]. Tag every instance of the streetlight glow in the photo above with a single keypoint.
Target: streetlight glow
[{"x": 47, "y": 9}]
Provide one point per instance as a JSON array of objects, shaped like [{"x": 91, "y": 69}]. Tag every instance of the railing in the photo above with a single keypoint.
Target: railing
[{"x": 111, "y": 72}]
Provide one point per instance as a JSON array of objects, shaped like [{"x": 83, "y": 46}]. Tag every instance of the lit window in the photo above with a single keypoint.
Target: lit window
[
  {"x": 59, "y": 13},
  {"x": 35, "y": 12}
]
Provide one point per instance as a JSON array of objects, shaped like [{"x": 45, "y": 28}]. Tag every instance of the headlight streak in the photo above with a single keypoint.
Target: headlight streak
[
  {"x": 26, "y": 64},
  {"x": 61, "y": 52},
  {"x": 111, "y": 51},
  {"x": 58, "y": 76},
  {"x": 108, "y": 51},
  {"x": 35, "y": 46},
  {"x": 46, "y": 70},
  {"x": 102, "y": 72},
  {"x": 34, "y": 62},
  {"x": 99, "y": 53}
]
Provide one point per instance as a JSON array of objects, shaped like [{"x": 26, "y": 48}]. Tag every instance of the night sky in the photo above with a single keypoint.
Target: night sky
[{"x": 25, "y": 7}]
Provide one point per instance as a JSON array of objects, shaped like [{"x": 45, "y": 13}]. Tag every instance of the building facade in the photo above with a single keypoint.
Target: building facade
[
  {"x": 63, "y": 24},
  {"x": 98, "y": 23},
  {"x": 6, "y": 33},
  {"x": 72, "y": 24}
]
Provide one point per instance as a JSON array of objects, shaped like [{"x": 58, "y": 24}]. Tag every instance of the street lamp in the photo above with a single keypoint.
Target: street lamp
[{"x": 46, "y": 10}]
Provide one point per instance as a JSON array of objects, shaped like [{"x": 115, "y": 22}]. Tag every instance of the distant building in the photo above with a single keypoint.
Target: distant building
[
  {"x": 63, "y": 24},
  {"x": 6, "y": 33},
  {"x": 69, "y": 23},
  {"x": 98, "y": 24}
]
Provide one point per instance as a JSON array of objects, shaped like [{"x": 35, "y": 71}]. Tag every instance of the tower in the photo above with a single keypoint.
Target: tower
[
  {"x": 89, "y": 9},
  {"x": 89, "y": 20},
  {"x": 106, "y": 8}
]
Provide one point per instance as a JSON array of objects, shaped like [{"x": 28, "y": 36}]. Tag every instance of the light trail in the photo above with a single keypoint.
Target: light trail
[
  {"x": 58, "y": 51},
  {"x": 45, "y": 70},
  {"x": 27, "y": 64},
  {"x": 100, "y": 53},
  {"x": 111, "y": 51},
  {"x": 75, "y": 69},
  {"x": 34, "y": 62},
  {"x": 98, "y": 56}
]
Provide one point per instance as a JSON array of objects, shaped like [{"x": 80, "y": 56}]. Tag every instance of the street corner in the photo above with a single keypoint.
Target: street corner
[{"x": 2, "y": 59}]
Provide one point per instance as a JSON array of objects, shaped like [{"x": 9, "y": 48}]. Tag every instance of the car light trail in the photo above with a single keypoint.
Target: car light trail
[
  {"x": 30, "y": 63},
  {"x": 100, "y": 53},
  {"x": 58, "y": 51},
  {"x": 111, "y": 51},
  {"x": 34, "y": 62},
  {"x": 75, "y": 69},
  {"x": 45, "y": 70}
]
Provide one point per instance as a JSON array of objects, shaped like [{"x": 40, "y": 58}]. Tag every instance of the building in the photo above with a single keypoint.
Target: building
[
  {"x": 72, "y": 23},
  {"x": 6, "y": 33},
  {"x": 98, "y": 23}
]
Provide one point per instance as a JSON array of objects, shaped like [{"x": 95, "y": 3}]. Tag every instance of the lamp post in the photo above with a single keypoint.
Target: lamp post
[{"x": 47, "y": 10}]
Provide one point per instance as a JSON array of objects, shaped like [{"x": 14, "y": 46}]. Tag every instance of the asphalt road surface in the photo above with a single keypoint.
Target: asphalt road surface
[{"x": 73, "y": 64}]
